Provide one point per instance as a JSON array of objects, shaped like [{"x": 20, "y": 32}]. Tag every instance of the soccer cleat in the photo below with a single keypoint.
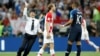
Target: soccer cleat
[
  {"x": 39, "y": 55},
  {"x": 53, "y": 55},
  {"x": 98, "y": 49}
]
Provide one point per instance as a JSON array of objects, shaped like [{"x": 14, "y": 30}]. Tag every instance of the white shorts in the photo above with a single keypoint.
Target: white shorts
[
  {"x": 85, "y": 35},
  {"x": 51, "y": 40}
]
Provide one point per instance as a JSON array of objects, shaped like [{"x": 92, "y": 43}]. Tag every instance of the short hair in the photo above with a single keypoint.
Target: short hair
[
  {"x": 50, "y": 6},
  {"x": 76, "y": 4}
]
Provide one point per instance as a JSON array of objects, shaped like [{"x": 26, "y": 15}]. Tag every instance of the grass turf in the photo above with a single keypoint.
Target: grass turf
[{"x": 57, "y": 54}]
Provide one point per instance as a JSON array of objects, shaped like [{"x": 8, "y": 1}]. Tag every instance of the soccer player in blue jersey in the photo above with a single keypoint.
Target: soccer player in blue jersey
[{"x": 75, "y": 29}]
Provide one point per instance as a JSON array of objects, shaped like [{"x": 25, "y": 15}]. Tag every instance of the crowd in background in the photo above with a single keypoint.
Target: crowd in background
[{"x": 12, "y": 22}]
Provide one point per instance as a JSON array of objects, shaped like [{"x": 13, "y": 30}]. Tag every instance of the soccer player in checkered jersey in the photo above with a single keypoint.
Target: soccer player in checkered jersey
[{"x": 48, "y": 31}]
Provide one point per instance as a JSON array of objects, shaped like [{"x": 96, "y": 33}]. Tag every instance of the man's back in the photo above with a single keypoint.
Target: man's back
[{"x": 76, "y": 15}]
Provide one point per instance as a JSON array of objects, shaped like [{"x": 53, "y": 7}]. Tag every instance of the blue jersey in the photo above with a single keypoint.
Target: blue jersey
[
  {"x": 76, "y": 15},
  {"x": 75, "y": 30}
]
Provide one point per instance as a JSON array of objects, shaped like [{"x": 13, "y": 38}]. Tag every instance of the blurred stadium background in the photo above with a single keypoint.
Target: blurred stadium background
[{"x": 12, "y": 24}]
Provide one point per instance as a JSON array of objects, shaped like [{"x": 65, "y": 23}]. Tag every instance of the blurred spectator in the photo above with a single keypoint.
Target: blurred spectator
[
  {"x": 20, "y": 25},
  {"x": 82, "y": 3},
  {"x": 92, "y": 29},
  {"x": 7, "y": 30},
  {"x": 1, "y": 28},
  {"x": 3, "y": 11},
  {"x": 13, "y": 21},
  {"x": 6, "y": 21},
  {"x": 18, "y": 7},
  {"x": 11, "y": 13},
  {"x": 96, "y": 15}
]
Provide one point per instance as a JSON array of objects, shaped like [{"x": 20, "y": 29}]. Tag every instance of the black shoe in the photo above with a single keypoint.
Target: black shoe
[{"x": 18, "y": 55}]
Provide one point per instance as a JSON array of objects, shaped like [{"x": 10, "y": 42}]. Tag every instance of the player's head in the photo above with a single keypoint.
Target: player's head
[
  {"x": 32, "y": 13},
  {"x": 75, "y": 5},
  {"x": 51, "y": 7}
]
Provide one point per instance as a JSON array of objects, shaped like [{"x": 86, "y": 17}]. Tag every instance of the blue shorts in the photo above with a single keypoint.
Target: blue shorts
[{"x": 75, "y": 35}]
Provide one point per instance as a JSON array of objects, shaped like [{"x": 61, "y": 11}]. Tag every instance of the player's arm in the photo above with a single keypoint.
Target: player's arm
[
  {"x": 48, "y": 29},
  {"x": 70, "y": 20},
  {"x": 83, "y": 24},
  {"x": 25, "y": 10}
]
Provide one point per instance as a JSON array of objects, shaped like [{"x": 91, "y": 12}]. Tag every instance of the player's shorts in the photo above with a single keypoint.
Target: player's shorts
[
  {"x": 85, "y": 35},
  {"x": 45, "y": 40},
  {"x": 74, "y": 35}
]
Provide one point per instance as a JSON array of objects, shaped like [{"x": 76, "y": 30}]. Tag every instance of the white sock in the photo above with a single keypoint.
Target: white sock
[
  {"x": 52, "y": 52},
  {"x": 41, "y": 51},
  {"x": 94, "y": 45}
]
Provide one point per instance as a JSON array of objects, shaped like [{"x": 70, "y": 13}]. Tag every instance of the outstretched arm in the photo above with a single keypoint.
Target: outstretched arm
[
  {"x": 70, "y": 20},
  {"x": 25, "y": 10}
]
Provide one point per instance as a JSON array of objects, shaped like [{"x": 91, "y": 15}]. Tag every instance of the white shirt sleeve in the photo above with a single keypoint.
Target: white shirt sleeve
[{"x": 25, "y": 13}]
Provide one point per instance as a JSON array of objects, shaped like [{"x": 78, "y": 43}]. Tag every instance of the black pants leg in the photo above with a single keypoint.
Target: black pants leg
[
  {"x": 29, "y": 45},
  {"x": 24, "y": 43}
]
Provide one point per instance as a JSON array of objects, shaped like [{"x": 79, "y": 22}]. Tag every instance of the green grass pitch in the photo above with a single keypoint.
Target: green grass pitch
[{"x": 57, "y": 54}]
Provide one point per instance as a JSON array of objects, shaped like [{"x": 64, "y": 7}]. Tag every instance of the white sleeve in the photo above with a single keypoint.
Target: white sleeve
[
  {"x": 85, "y": 24},
  {"x": 25, "y": 9},
  {"x": 25, "y": 13}
]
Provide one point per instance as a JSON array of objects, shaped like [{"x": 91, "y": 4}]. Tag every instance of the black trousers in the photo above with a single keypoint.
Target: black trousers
[{"x": 27, "y": 43}]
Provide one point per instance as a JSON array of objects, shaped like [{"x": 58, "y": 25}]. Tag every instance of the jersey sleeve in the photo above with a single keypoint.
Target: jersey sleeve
[
  {"x": 71, "y": 14},
  {"x": 49, "y": 18}
]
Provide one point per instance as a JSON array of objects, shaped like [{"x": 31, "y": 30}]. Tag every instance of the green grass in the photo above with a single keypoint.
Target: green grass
[{"x": 57, "y": 54}]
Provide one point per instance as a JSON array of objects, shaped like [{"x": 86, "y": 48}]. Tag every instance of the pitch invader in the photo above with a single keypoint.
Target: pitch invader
[
  {"x": 48, "y": 34},
  {"x": 85, "y": 36},
  {"x": 75, "y": 29}
]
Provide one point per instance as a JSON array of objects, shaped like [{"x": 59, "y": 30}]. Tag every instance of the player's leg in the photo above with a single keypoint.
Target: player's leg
[
  {"x": 40, "y": 41},
  {"x": 90, "y": 42},
  {"x": 70, "y": 42},
  {"x": 78, "y": 44},
  {"x": 48, "y": 49},
  {"x": 68, "y": 48},
  {"x": 42, "y": 49},
  {"x": 93, "y": 44},
  {"x": 30, "y": 43},
  {"x": 78, "y": 48},
  {"x": 52, "y": 52},
  {"x": 25, "y": 40}
]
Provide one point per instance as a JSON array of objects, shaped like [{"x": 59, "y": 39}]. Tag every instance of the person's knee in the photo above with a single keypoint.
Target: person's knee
[
  {"x": 78, "y": 43},
  {"x": 70, "y": 42},
  {"x": 51, "y": 46},
  {"x": 21, "y": 48},
  {"x": 44, "y": 46}
]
